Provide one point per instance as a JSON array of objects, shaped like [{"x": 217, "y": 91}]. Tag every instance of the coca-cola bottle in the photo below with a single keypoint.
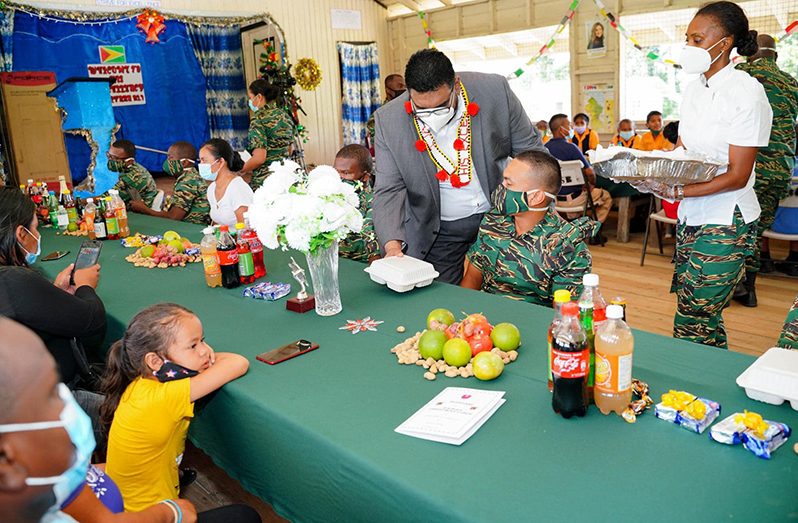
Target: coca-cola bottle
[{"x": 570, "y": 364}]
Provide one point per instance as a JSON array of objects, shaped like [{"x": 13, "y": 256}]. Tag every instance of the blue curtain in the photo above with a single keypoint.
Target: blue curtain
[
  {"x": 6, "y": 40},
  {"x": 218, "y": 50},
  {"x": 360, "y": 73},
  {"x": 174, "y": 85}
]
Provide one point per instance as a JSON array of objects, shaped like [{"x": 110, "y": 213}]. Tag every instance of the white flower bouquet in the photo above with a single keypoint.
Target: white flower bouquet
[{"x": 304, "y": 211}]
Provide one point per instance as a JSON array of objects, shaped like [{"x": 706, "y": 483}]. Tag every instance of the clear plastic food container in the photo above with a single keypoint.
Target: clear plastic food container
[{"x": 402, "y": 274}]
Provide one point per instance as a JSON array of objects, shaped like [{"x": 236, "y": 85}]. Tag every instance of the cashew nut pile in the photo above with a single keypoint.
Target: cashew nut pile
[{"x": 407, "y": 354}]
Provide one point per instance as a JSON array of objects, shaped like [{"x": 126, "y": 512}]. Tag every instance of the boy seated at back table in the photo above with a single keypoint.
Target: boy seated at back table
[
  {"x": 354, "y": 165},
  {"x": 132, "y": 175},
  {"x": 189, "y": 201},
  {"x": 524, "y": 249}
]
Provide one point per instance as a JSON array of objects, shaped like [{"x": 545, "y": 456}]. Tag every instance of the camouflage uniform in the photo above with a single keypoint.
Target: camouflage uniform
[
  {"x": 709, "y": 261},
  {"x": 551, "y": 256},
  {"x": 139, "y": 178},
  {"x": 775, "y": 163},
  {"x": 789, "y": 335},
  {"x": 271, "y": 129},
  {"x": 363, "y": 245},
  {"x": 191, "y": 195}
]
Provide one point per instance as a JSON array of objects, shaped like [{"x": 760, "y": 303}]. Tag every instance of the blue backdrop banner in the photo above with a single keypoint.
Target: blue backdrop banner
[{"x": 174, "y": 85}]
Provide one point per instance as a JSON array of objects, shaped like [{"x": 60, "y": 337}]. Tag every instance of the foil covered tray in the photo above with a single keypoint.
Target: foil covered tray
[{"x": 624, "y": 167}]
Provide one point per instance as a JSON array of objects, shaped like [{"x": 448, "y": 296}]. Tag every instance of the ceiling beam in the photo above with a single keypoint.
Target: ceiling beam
[{"x": 410, "y": 4}]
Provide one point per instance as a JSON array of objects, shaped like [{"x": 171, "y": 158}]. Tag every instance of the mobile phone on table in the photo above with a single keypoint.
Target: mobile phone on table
[
  {"x": 286, "y": 352},
  {"x": 88, "y": 255},
  {"x": 55, "y": 255}
]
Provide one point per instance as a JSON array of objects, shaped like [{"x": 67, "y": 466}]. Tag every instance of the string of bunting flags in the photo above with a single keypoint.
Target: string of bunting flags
[{"x": 790, "y": 30}]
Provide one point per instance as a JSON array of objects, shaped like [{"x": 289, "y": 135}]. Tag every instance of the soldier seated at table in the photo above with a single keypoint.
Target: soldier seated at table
[
  {"x": 354, "y": 165},
  {"x": 524, "y": 249},
  {"x": 189, "y": 201},
  {"x": 132, "y": 175}
]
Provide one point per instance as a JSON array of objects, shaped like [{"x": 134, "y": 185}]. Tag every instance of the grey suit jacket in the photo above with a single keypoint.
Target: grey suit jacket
[{"x": 406, "y": 205}]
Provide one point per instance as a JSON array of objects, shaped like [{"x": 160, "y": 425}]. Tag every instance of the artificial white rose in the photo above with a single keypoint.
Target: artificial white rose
[
  {"x": 297, "y": 236},
  {"x": 334, "y": 216},
  {"x": 324, "y": 181},
  {"x": 276, "y": 184},
  {"x": 286, "y": 165}
]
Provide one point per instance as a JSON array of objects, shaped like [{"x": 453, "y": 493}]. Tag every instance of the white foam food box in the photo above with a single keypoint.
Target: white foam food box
[
  {"x": 773, "y": 377},
  {"x": 402, "y": 273}
]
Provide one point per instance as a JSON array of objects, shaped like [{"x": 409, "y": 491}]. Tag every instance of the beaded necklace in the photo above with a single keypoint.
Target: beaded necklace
[{"x": 459, "y": 174}]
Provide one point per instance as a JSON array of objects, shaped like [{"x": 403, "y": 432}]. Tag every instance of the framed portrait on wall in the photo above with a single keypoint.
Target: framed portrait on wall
[{"x": 596, "y": 39}]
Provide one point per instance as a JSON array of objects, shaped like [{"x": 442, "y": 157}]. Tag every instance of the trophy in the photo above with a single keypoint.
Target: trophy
[{"x": 302, "y": 302}]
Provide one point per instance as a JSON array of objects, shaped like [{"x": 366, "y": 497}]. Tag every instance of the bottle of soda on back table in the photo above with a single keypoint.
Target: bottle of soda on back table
[
  {"x": 570, "y": 364},
  {"x": 52, "y": 205},
  {"x": 228, "y": 258},
  {"x": 111, "y": 224},
  {"x": 246, "y": 266},
  {"x": 69, "y": 205},
  {"x": 100, "y": 229},
  {"x": 121, "y": 213},
  {"x": 210, "y": 258},
  {"x": 560, "y": 297},
  {"x": 255, "y": 246},
  {"x": 592, "y": 312},
  {"x": 614, "y": 348}
]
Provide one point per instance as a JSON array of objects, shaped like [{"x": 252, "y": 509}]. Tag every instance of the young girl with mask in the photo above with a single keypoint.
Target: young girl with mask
[
  {"x": 584, "y": 137},
  {"x": 229, "y": 196},
  {"x": 57, "y": 311},
  {"x": 154, "y": 374},
  {"x": 725, "y": 115}
]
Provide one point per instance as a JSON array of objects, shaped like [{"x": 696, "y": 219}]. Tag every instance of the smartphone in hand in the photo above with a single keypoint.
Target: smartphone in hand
[{"x": 88, "y": 255}]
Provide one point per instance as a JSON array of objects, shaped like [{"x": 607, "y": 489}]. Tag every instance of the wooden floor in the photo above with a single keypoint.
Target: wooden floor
[{"x": 650, "y": 307}]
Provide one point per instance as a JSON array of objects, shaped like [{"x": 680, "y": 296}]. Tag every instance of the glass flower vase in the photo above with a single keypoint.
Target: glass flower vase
[{"x": 323, "y": 265}]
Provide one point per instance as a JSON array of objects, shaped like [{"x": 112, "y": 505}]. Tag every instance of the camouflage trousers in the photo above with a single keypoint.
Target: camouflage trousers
[
  {"x": 709, "y": 261},
  {"x": 789, "y": 334},
  {"x": 769, "y": 189}
]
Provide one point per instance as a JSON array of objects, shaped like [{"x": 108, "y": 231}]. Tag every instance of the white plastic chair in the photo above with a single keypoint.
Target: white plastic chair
[
  {"x": 157, "y": 202},
  {"x": 571, "y": 174},
  {"x": 658, "y": 217}
]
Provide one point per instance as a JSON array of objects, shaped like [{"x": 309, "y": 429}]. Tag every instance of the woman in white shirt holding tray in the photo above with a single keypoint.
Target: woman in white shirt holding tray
[
  {"x": 725, "y": 116},
  {"x": 229, "y": 196}
]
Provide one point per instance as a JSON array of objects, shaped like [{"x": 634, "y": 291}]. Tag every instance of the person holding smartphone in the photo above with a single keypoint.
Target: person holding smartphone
[{"x": 60, "y": 312}]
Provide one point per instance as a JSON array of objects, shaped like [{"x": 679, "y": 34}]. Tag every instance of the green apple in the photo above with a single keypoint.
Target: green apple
[
  {"x": 457, "y": 352},
  {"x": 439, "y": 319},
  {"x": 430, "y": 344},
  {"x": 487, "y": 366},
  {"x": 171, "y": 235},
  {"x": 506, "y": 336}
]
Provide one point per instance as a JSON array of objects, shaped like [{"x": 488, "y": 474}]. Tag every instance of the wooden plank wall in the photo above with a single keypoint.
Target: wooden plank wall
[{"x": 309, "y": 33}]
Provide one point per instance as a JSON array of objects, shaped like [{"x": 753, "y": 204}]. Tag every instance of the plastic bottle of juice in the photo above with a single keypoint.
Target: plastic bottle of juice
[
  {"x": 228, "y": 258},
  {"x": 63, "y": 218},
  {"x": 570, "y": 364},
  {"x": 592, "y": 312},
  {"x": 89, "y": 213},
  {"x": 210, "y": 259},
  {"x": 100, "y": 230},
  {"x": 614, "y": 348},
  {"x": 69, "y": 205},
  {"x": 62, "y": 188},
  {"x": 246, "y": 265},
  {"x": 121, "y": 213},
  {"x": 560, "y": 297},
  {"x": 111, "y": 225},
  {"x": 256, "y": 247}
]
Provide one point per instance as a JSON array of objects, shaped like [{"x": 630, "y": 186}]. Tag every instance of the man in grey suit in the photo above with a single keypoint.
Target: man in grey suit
[{"x": 440, "y": 151}]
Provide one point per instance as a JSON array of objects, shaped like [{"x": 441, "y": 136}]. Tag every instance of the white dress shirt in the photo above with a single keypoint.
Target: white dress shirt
[
  {"x": 731, "y": 108},
  {"x": 466, "y": 201}
]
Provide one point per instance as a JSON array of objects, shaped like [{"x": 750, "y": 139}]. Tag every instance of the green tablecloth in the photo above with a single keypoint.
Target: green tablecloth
[{"x": 314, "y": 436}]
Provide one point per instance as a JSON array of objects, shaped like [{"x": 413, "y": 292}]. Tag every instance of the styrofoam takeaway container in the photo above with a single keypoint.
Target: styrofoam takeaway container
[
  {"x": 773, "y": 377},
  {"x": 402, "y": 274}
]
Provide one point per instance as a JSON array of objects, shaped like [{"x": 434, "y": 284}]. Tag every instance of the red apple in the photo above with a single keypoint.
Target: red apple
[{"x": 480, "y": 343}]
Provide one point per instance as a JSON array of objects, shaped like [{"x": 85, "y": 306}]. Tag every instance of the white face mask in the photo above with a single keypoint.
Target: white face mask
[
  {"x": 696, "y": 60},
  {"x": 581, "y": 129},
  {"x": 206, "y": 172},
  {"x": 436, "y": 122}
]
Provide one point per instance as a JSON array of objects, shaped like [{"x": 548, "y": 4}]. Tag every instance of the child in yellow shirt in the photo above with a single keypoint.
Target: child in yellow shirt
[
  {"x": 584, "y": 137},
  {"x": 654, "y": 140},
  {"x": 154, "y": 375},
  {"x": 626, "y": 137}
]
